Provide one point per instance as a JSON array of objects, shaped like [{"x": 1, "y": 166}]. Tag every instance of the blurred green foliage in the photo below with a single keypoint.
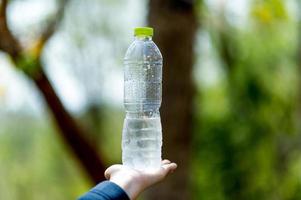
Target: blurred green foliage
[
  {"x": 246, "y": 137},
  {"x": 33, "y": 164}
]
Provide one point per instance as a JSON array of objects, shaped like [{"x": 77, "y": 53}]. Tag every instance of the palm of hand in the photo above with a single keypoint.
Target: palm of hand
[{"x": 135, "y": 181}]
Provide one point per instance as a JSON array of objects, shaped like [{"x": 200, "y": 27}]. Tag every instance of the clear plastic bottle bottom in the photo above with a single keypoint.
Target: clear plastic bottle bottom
[{"x": 142, "y": 142}]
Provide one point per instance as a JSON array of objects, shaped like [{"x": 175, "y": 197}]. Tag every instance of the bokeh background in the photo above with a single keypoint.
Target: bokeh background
[{"x": 231, "y": 96}]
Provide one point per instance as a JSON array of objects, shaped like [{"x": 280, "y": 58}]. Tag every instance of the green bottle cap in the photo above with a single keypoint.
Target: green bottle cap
[{"x": 144, "y": 31}]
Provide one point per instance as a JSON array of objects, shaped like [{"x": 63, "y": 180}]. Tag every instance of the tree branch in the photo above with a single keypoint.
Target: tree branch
[
  {"x": 71, "y": 133},
  {"x": 51, "y": 28},
  {"x": 8, "y": 42},
  {"x": 3, "y": 7}
]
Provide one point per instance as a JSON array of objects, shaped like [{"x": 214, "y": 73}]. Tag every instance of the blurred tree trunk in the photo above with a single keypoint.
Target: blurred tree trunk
[
  {"x": 175, "y": 25},
  {"x": 93, "y": 121}
]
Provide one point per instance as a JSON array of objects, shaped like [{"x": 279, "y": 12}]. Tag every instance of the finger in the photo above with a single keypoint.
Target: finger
[
  {"x": 172, "y": 170},
  {"x": 170, "y": 167},
  {"x": 165, "y": 161},
  {"x": 110, "y": 170},
  {"x": 167, "y": 169}
]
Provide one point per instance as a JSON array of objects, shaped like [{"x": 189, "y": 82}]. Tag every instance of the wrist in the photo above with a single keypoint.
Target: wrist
[{"x": 132, "y": 188}]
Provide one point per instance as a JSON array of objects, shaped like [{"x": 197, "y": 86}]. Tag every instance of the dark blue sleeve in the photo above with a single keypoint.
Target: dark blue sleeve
[{"x": 105, "y": 191}]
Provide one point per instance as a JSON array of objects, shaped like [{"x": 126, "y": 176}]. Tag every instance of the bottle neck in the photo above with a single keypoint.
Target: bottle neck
[{"x": 143, "y": 38}]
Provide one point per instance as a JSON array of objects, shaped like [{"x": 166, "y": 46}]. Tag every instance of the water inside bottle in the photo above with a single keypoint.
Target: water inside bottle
[{"x": 141, "y": 142}]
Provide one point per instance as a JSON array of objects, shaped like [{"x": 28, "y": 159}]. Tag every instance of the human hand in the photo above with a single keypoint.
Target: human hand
[{"x": 134, "y": 181}]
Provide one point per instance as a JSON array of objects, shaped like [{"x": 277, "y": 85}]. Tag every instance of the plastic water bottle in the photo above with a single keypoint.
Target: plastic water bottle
[{"x": 142, "y": 132}]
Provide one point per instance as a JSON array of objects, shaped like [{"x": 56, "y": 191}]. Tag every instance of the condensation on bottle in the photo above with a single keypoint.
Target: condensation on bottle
[{"x": 142, "y": 131}]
